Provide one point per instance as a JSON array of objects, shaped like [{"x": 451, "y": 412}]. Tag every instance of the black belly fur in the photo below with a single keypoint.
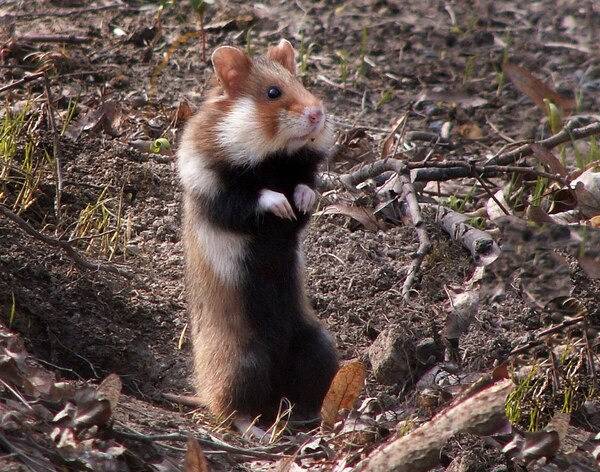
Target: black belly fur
[
  {"x": 301, "y": 360},
  {"x": 271, "y": 287}
]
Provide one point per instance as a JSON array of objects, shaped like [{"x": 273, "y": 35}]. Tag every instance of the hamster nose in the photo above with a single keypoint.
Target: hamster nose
[{"x": 314, "y": 115}]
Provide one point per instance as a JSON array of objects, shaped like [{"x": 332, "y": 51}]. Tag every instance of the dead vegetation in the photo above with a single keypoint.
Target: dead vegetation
[{"x": 454, "y": 255}]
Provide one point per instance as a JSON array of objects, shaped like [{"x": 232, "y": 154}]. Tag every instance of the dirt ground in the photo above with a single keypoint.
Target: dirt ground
[{"x": 439, "y": 59}]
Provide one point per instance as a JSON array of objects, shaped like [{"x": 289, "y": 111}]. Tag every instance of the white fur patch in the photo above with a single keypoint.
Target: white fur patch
[
  {"x": 223, "y": 250},
  {"x": 240, "y": 134},
  {"x": 195, "y": 176},
  {"x": 324, "y": 141}
]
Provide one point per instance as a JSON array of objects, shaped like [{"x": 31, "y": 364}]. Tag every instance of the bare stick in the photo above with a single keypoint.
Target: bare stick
[
  {"x": 22, "y": 81},
  {"x": 331, "y": 180},
  {"x": 74, "y": 255},
  {"x": 180, "y": 437},
  {"x": 412, "y": 205},
  {"x": 187, "y": 400},
  {"x": 71, "y": 12},
  {"x": 418, "y": 451},
  {"x": 480, "y": 244},
  {"x": 546, "y": 332},
  {"x": 568, "y": 133},
  {"x": 52, "y": 38},
  {"x": 488, "y": 191},
  {"x": 55, "y": 149},
  {"x": 447, "y": 170}
]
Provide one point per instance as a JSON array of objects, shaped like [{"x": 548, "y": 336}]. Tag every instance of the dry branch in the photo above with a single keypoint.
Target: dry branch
[
  {"x": 55, "y": 148},
  {"x": 419, "y": 450},
  {"x": 52, "y": 38},
  {"x": 447, "y": 170},
  {"x": 568, "y": 133},
  {"x": 408, "y": 194},
  {"x": 480, "y": 244},
  {"x": 65, "y": 246},
  {"x": 540, "y": 336},
  {"x": 71, "y": 11},
  {"x": 218, "y": 446},
  {"x": 22, "y": 81}
]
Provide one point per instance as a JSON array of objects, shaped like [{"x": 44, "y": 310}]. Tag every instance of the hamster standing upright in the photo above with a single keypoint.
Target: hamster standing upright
[{"x": 247, "y": 163}]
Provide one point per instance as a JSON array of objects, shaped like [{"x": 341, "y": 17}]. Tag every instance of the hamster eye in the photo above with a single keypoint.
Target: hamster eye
[{"x": 274, "y": 92}]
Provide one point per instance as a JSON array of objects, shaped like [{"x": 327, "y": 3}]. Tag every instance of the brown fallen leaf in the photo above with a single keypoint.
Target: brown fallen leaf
[
  {"x": 390, "y": 140},
  {"x": 537, "y": 215},
  {"x": 345, "y": 388},
  {"x": 535, "y": 89},
  {"x": 110, "y": 389},
  {"x": 107, "y": 117},
  {"x": 470, "y": 131},
  {"x": 195, "y": 461},
  {"x": 548, "y": 159},
  {"x": 595, "y": 221},
  {"x": 587, "y": 190},
  {"x": 183, "y": 113},
  {"x": 362, "y": 215}
]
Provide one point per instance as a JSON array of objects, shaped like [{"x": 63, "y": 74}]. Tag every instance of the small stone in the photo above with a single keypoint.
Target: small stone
[{"x": 391, "y": 356}]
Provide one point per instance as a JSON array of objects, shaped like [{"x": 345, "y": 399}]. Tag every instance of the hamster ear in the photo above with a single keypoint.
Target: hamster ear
[
  {"x": 232, "y": 67},
  {"x": 285, "y": 54}
]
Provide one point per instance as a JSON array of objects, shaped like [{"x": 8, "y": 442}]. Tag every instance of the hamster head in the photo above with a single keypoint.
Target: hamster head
[{"x": 266, "y": 108}]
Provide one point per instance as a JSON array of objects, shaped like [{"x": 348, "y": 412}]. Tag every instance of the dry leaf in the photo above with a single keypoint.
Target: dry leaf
[
  {"x": 362, "y": 215},
  {"x": 110, "y": 389},
  {"x": 492, "y": 208},
  {"x": 390, "y": 141},
  {"x": 537, "y": 215},
  {"x": 470, "y": 131},
  {"x": 195, "y": 461},
  {"x": 595, "y": 221},
  {"x": 548, "y": 159},
  {"x": 465, "y": 306},
  {"x": 345, "y": 388},
  {"x": 183, "y": 113},
  {"x": 587, "y": 191},
  {"x": 107, "y": 117},
  {"x": 535, "y": 89}
]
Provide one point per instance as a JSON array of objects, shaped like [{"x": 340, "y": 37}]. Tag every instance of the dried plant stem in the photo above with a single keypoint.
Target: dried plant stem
[
  {"x": 73, "y": 254},
  {"x": 538, "y": 339},
  {"x": 447, "y": 170},
  {"x": 53, "y": 38},
  {"x": 55, "y": 149},
  {"x": 71, "y": 11},
  {"x": 22, "y": 81},
  {"x": 409, "y": 195}
]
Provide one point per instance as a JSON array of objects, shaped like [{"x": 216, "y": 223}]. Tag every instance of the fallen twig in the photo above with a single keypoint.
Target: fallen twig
[
  {"x": 219, "y": 446},
  {"x": 55, "y": 149},
  {"x": 52, "y": 38},
  {"x": 479, "y": 243},
  {"x": 22, "y": 81},
  {"x": 538, "y": 338},
  {"x": 568, "y": 133},
  {"x": 447, "y": 170},
  {"x": 80, "y": 260},
  {"x": 71, "y": 11},
  {"x": 331, "y": 180},
  {"x": 408, "y": 194},
  {"x": 419, "y": 450}
]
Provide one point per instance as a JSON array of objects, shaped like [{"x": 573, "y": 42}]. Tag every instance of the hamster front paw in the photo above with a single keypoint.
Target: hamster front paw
[
  {"x": 276, "y": 203},
  {"x": 304, "y": 198}
]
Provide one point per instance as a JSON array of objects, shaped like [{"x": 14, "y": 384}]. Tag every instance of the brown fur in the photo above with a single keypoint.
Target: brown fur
[
  {"x": 219, "y": 330},
  {"x": 215, "y": 318}
]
